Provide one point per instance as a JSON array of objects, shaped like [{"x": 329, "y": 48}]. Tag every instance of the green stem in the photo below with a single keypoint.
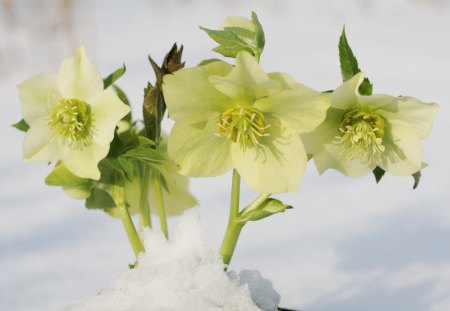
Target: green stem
[
  {"x": 233, "y": 229},
  {"x": 156, "y": 180},
  {"x": 119, "y": 198},
  {"x": 145, "y": 219}
]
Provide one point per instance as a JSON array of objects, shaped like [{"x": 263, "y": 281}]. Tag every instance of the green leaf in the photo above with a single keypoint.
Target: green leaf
[
  {"x": 144, "y": 141},
  {"x": 123, "y": 165},
  {"x": 99, "y": 199},
  {"x": 123, "y": 97},
  {"x": 416, "y": 177},
  {"x": 268, "y": 207},
  {"x": 209, "y": 61},
  {"x": 22, "y": 125},
  {"x": 260, "y": 38},
  {"x": 378, "y": 172},
  {"x": 61, "y": 176},
  {"x": 109, "y": 80},
  {"x": 144, "y": 153},
  {"x": 111, "y": 172},
  {"x": 349, "y": 65}
]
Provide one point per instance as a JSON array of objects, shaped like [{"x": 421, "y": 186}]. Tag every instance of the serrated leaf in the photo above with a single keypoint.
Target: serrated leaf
[
  {"x": 110, "y": 174},
  {"x": 229, "y": 42},
  {"x": 113, "y": 77},
  {"x": 349, "y": 64},
  {"x": 144, "y": 153},
  {"x": 232, "y": 51},
  {"x": 22, "y": 125},
  {"x": 123, "y": 165},
  {"x": 378, "y": 172},
  {"x": 269, "y": 207},
  {"x": 144, "y": 141},
  {"x": 61, "y": 176},
  {"x": 123, "y": 97},
  {"x": 416, "y": 177},
  {"x": 99, "y": 199},
  {"x": 242, "y": 34}
]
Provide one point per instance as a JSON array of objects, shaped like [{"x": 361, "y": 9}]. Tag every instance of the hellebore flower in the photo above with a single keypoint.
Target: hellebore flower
[
  {"x": 72, "y": 118},
  {"x": 363, "y": 132},
  {"x": 240, "y": 117}
]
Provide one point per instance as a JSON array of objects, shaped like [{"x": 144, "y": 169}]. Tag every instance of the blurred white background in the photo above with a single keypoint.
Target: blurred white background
[{"x": 348, "y": 244}]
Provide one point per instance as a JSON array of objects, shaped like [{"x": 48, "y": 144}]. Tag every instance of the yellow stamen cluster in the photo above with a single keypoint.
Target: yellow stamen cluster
[
  {"x": 71, "y": 122},
  {"x": 242, "y": 125},
  {"x": 361, "y": 135}
]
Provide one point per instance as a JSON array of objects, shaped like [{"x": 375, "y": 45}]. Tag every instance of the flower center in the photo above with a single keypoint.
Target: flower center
[
  {"x": 242, "y": 125},
  {"x": 361, "y": 135},
  {"x": 71, "y": 120}
]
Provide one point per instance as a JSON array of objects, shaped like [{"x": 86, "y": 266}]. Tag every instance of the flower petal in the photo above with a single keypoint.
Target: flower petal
[
  {"x": 347, "y": 94},
  {"x": 277, "y": 165},
  {"x": 197, "y": 150},
  {"x": 287, "y": 81},
  {"x": 246, "y": 81},
  {"x": 78, "y": 78},
  {"x": 38, "y": 145},
  {"x": 107, "y": 110},
  {"x": 418, "y": 115},
  {"x": 324, "y": 133},
  {"x": 38, "y": 95},
  {"x": 403, "y": 152},
  {"x": 84, "y": 162},
  {"x": 330, "y": 157},
  {"x": 190, "y": 97},
  {"x": 303, "y": 108}
]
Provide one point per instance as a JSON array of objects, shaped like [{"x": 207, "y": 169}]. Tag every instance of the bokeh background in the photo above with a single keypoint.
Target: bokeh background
[{"x": 348, "y": 244}]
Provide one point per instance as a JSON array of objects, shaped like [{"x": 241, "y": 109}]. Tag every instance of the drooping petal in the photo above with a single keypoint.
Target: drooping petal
[
  {"x": 403, "y": 153},
  {"x": 39, "y": 146},
  {"x": 107, "y": 110},
  {"x": 197, "y": 151},
  {"x": 330, "y": 157},
  {"x": 247, "y": 81},
  {"x": 346, "y": 95},
  {"x": 38, "y": 95},
  {"x": 277, "y": 165},
  {"x": 303, "y": 108},
  {"x": 378, "y": 103},
  {"x": 78, "y": 78},
  {"x": 83, "y": 162},
  {"x": 325, "y": 133},
  {"x": 190, "y": 97},
  {"x": 418, "y": 115}
]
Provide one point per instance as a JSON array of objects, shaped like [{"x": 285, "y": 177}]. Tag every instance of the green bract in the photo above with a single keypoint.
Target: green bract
[
  {"x": 363, "y": 132},
  {"x": 240, "y": 117},
  {"x": 72, "y": 118}
]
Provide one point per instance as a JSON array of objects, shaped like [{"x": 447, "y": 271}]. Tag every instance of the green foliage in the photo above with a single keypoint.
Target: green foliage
[
  {"x": 61, "y": 176},
  {"x": 232, "y": 40},
  {"x": 209, "y": 61},
  {"x": 144, "y": 153},
  {"x": 99, "y": 199},
  {"x": 378, "y": 172},
  {"x": 269, "y": 207},
  {"x": 113, "y": 77},
  {"x": 349, "y": 65},
  {"x": 416, "y": 177},
  {"x": 22, "y": 125}
]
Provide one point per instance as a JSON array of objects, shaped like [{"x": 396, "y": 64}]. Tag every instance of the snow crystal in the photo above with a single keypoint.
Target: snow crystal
[{"x": 183, "y": 274}]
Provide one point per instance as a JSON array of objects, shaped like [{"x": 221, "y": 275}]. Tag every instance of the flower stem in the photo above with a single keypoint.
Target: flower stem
[
  {"x": 156, "y": 180},
  {"x": 144, "y": 208},
  {"x": 233, "y": 229},
  {"x": 133, "y": 237}
]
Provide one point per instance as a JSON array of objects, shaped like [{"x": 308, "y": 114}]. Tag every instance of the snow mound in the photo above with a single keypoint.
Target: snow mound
[{"x": 183, "y": 274}]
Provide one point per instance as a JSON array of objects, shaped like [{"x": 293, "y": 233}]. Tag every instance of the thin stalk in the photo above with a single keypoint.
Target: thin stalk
[
  {"x": 145, "y": 219},
  {"x": 133, "y": 237},
  {"x": 156, "y": 181},
  {"x": 233, "y": 229}
]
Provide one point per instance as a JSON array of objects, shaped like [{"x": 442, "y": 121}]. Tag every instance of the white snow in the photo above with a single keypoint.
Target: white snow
[{"x": 182, "y": 274}]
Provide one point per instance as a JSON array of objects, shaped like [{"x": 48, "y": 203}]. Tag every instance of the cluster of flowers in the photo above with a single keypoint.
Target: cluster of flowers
[{"x": 266, "y": 126}]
